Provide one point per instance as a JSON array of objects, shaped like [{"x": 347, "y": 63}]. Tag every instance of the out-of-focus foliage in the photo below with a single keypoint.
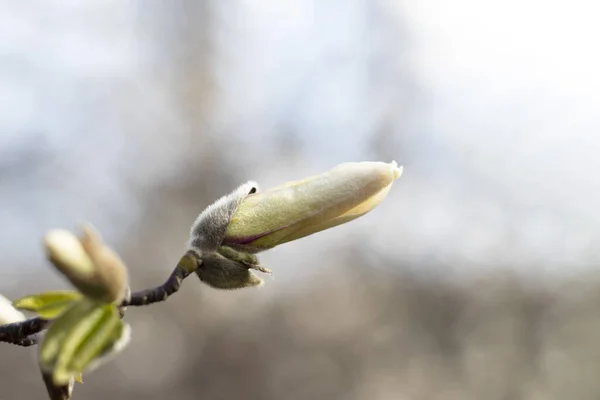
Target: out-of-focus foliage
[
  {"x": 86, "y": 327},
  {"x": 81, "y": 338},
  {"x": 88, "y": 263},
  {"x": 48, "y": 304}
]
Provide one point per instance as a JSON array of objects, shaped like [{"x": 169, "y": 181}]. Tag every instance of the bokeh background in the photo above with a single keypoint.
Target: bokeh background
[{"x": 477, "y": 278}]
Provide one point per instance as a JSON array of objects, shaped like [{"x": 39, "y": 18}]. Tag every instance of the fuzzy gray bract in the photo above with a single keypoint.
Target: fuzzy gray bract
[{"x": 209, "y": 229}]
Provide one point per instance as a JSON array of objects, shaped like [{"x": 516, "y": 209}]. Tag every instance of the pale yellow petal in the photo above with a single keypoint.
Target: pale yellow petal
[{"x": 299, "y": 208}]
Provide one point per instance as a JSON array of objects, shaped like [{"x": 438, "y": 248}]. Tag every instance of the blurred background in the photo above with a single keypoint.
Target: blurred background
[{"x": 477, "y": 278}]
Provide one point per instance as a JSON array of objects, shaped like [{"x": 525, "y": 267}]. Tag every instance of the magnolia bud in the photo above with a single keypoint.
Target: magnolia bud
[
  {"x": 9, "y": 314},
  {"x": 227, "y": 234},
  {"x": 90, "y": 265},
  {"x": 297, "y": 209}
]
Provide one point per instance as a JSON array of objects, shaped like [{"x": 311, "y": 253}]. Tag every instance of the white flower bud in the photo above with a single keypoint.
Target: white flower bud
[
  {"x": 245, "y": 222},
  {"x": 298, "y": 209},
  {"x": 88, "y": 263},
  {"x": 9, "y": 314}
]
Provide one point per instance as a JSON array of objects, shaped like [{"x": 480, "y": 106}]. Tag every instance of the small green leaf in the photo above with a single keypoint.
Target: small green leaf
[
  {"x": 60, "y": 327},
  {"x": 81, "y": 338},
  {"x": 48, "y": 305},
  {"x": 105, "y": 333},
  {"x": 84, "y": 332}
]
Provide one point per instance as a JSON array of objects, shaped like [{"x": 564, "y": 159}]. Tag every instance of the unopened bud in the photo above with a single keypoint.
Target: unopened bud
[
  {"x": 298, "y": 209},
  {"x": 90, "y": 265},
  {"x": 227, "y": 233}
]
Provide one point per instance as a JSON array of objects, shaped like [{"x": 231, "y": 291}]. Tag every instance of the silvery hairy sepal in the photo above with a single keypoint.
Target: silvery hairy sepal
[
  {"x": 245, "y": 222},
  {"x": 209, "y": 229},
  {"x": 222, "y": 267}
]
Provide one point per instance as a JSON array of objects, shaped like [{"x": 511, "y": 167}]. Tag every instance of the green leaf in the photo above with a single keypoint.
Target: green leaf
[
  {"x": 82, "y": 337},
  {"x": 48, "y": 305},
  {"x": 59, "y": 329},
  {"x": 105, "y": 333}
]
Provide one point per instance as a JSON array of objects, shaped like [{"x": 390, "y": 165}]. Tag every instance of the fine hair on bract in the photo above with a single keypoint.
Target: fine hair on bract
[
  {"x": 220, "y": 267},
  {"x": 209, "y": 228}
]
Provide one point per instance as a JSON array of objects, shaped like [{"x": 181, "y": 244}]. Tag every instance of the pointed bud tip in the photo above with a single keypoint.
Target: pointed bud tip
[
  {"x": 89, "y": 232},
  {"x": 396, "y": 170}
]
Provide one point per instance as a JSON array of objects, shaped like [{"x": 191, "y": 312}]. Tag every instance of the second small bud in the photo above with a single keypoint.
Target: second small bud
[{"x": 91, "y": 266}]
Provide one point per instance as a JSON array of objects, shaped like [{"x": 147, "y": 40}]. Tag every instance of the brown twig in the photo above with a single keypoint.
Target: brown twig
[
  {"x": 62, "y": 392},
  {"x": 28, "y": 333},
  {"x": 19, "y": 332},
  {"x": 159, "y": 293}
]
